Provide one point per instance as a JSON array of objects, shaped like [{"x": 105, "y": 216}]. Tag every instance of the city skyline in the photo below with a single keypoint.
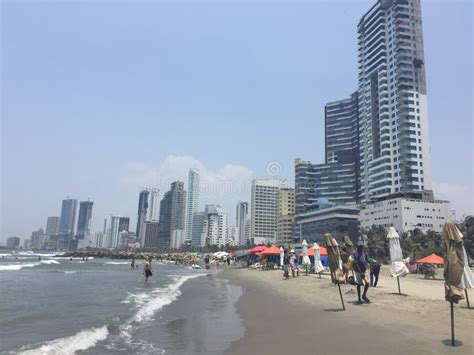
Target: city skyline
[{"x": 115, "y": 192}]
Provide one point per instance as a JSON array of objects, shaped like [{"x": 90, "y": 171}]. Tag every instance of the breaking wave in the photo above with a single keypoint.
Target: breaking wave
[{"x": 15, "y": 267}]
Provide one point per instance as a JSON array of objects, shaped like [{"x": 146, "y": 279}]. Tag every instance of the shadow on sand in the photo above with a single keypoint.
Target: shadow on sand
[
  {"x": 447, "y": 342},
  {"x": 398, "y": 294},
  {"x": 334, "y": 310}
]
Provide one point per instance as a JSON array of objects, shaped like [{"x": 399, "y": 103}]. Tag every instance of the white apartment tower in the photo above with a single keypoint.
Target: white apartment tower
[
  {"x": 192, "y": 203},
  {"x": 215, "y": 225},
  {"x": 264, "y": 209},
  {"x": 393, "y": 118}
]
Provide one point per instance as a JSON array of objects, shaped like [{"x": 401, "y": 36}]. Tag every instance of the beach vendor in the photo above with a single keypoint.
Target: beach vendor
[{"x": 360, "y": 271}]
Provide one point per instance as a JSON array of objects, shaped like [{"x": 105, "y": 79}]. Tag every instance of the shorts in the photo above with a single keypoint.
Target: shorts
[
  {"x": 359, "y": 278},
  {"x": 148, "y": 273}
]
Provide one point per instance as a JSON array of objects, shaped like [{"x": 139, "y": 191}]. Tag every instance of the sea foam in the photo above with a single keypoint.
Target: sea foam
[
  {"x": 15, "y": 267},
  {"x": 69, "y": 345}
]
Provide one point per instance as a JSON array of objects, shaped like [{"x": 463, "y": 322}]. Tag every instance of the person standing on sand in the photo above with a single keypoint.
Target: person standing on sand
[
  {"x": 286, "y": 265},
  {"x": 360, "y": 271},
  {"x": 345, "y": 262},
  {"x": 147, "y": 269}
]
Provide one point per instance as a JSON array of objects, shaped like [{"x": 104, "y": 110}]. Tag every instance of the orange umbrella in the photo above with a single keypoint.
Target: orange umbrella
[
  {"x": 273, "y": 250},
  {"x": 257, "y": 249},
  {"x": 322, "y": 251},
  {"x": 431, "y": 259}
]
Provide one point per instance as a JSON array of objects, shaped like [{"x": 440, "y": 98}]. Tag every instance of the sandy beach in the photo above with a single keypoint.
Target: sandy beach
[{"x": 304, "y": 315}]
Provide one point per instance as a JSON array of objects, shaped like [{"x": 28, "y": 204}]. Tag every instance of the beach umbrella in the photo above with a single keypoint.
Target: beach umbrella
[
  {"x": 453, "y": 268},
  {"x": 318, "y": 266},
  {"x": 467, "y": 280},
  {"x": 348, "y": 242},
  {"x": 282, "y": 254},
  {"x": 306, "y": 261},
  {"x": 335, "y": 263},
  {"x": 257, "y": 249},
  {"x": 398, "y": 267},
  {"x": 431, "y": 259}
]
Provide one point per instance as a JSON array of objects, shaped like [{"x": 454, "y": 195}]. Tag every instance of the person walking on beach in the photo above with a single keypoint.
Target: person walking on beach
[
  {"x": 374, "y": 272},
  {"x": 360, "y": 271},
  {"x": 147, "y": 269},
  {"x": 345, "y": 262},
  {"x": 293, "y": 263}
]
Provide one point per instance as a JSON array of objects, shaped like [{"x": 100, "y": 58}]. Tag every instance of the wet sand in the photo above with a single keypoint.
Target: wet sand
[{"x": 304, "y": 315}]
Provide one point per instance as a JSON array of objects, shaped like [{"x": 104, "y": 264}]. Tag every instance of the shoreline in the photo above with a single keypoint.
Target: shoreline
[{"x": 304, "y": 315}]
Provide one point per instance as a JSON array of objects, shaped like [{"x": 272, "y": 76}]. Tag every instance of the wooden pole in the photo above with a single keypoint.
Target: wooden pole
[
  {"x": 398, "y": 280},
  {"x": 452, "y": 324},
  {"x": 467, "y": 298},
  {"x": 342, "y": 299}
]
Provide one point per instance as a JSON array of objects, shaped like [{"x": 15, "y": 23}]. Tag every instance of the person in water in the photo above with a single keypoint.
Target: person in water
[
  {"x": 147, "y": 269},
  {"x": 360, "y": 271},
  {"x": 132, "y": 265}
]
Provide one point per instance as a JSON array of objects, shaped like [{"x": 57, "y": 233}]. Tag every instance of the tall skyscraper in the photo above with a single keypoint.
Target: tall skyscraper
[
  {"x": 151, "y": 234},
  {"x": 153, "y": 204},
  {"x": 124, "y": 224},
  {"x": 240, "y": 219},
  {"x": 84, "y": 219},
  {"x": 112, "y": 239},
  {"x": 198, "y": 240},
  {"x": 142, "y": 215},
  {"x": 52, "y": 226},
  {"x": 172, "y": 213},
  {"x": 336, "y": 179},
  {"x": 286, "y": 212},
  {"x": 393, "y": 118},
  {"x": 265, "y": 208},
  {"x": 192, "y": 203},
  {"x": 68, "y": 217}
]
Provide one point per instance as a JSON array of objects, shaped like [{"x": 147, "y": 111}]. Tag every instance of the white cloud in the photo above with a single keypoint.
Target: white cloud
[
  {"x": 461, "y": 196},
  {"x": 223, "y": 186}
]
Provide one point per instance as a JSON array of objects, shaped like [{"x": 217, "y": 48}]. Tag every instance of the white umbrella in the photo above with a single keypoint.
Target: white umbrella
[
  {"x": 398, "y": 267},
  {"x": 306, "y": 260},
  {"x": 318, "y": 266},
  {"x": 282, "y": 254},
  {"x": 467, "y": 280}
]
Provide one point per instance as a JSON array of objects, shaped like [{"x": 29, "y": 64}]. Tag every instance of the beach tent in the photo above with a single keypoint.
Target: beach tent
[
  {"x": 257, "y": 249},
  {"x": 241, "y": 253},
  {"x": 431, "y": 259},
  {"x": 273, "y": 250},
  {"x": 398, "y": 267},
  {"x": 318, "y": 267}
]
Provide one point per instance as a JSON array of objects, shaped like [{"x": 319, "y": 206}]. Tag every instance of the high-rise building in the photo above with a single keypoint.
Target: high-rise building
[
  {"x": 393, "y": 119},
  {"x": 112, "y": 235},
  {"x": 52, "y": 226},
  {"x": 153, "y": 196},
  {"x": 231, "y": 237},
  {"x": 142, "y": 215},
  {"x": 124, "y": 224},
  {"x": 68, "y": 217},
  {"x": 172, "y": 213},
  {"x": 192, "y": 203},
  {"x": 215, "y": 226},
  {"x": 13, "y": 242},
  {"x": 84, "y": 219},
  {"x": 177, "y": 239},
  {"x": 198, "y": 240},
  {"x": 286, "y": 213},
  {"x": 265, "y": 209},
  {"x": 151, "y": 234},
  {"x": 37, "y": 239},
  {"x": 337, "y": 178},
  {"x": 240, "y": 220}
]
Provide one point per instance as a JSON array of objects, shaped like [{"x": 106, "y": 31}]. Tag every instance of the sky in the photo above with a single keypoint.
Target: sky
[{"x": 102, "y": 98}]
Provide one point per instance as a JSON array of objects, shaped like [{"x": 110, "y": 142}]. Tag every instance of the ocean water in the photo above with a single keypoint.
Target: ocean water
[{"x": 100, "y": 306}]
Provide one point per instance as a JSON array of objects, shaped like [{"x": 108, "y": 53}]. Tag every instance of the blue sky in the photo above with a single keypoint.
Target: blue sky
[{"x": 100, "y": 97}]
